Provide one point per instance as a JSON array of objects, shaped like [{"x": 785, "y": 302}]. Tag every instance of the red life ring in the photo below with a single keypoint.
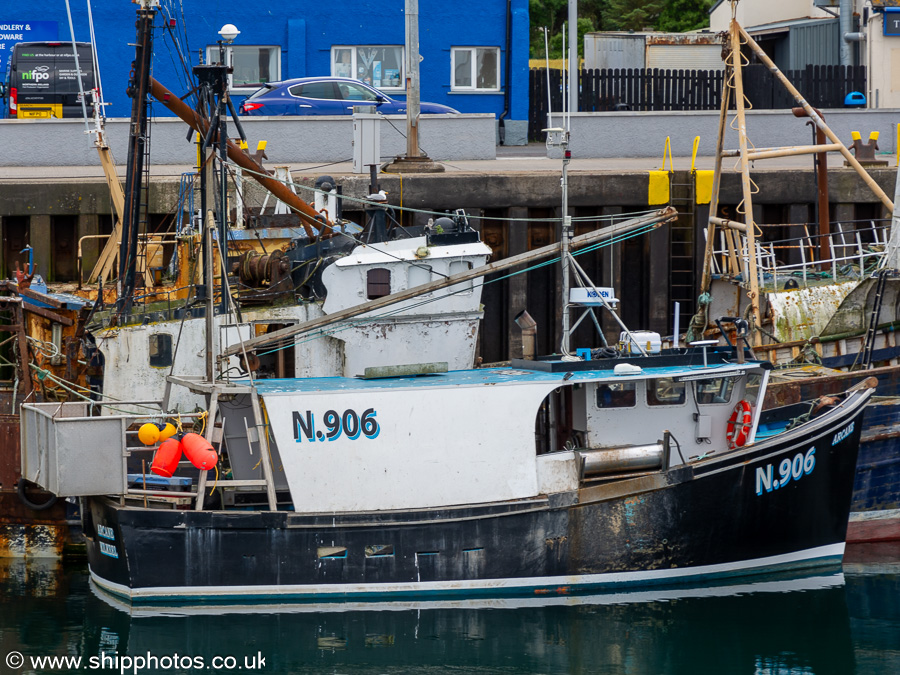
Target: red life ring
[{"x": 739, "y": 425}]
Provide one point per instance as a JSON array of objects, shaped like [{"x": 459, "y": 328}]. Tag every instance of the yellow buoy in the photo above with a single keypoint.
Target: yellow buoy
[
  {"x": 148, "y": 433},
  {"x": 167, "y": 432}
]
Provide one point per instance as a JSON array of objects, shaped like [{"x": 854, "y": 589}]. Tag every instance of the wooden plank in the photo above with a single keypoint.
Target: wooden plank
[
  {"x": 40, "y": 297},
  {"x": 25, "y": 381},
  {"x": 48, "y": 314}
]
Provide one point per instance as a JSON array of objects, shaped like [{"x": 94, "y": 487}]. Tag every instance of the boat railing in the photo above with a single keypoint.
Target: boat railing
[
  {"x": 851, "y": 251},
  {"x": 84, "y": 448}
]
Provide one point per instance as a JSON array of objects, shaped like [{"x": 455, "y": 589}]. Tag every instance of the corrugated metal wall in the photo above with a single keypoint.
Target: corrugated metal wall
[
  {"x": 614, "y": 51},
  {"x": 815, "y": 43},
  {"x": 685, "y": 57}
]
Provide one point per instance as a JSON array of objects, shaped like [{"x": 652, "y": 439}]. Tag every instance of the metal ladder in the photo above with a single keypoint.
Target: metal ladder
[
  {"x": 872, "y": 328},
  {"x": 681, "y": 249}
]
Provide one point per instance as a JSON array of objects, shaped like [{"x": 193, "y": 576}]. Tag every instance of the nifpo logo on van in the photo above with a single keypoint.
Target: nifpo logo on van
[{"x": 37, "y": 74}]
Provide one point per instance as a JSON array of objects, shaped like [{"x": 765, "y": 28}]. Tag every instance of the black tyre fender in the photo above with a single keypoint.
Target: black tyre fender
[{"x": 23, "y": 497}]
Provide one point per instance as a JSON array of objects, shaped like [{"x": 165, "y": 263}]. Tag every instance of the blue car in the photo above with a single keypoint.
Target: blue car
[{"x": 327, "y": 96}]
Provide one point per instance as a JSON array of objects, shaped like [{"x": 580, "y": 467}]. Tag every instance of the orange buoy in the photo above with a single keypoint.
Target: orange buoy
[
  {"x": 199, "y": 451},
  {"x": 166, "y": 459}
]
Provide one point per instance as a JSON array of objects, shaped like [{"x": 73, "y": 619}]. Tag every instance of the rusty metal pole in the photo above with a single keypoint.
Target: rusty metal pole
[
  {"x": 821, "y": 166},
  {"x": 753, "y": 293},
  {"x": 307, "y": 214}
]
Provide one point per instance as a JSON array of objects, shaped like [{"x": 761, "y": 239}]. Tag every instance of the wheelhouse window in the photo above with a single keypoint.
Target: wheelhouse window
[
  {"x": 715, "y": 391},
  {"x": 457, "y": 267},
  {"x": 418, "y": 275},
  {"x": 475, "y": 68},
  {"x": 160, "y": 350},
  {"x": 665, "y": 391},
  {"x": 378, "y": 65},
  {"x": 254, "y": 65},
  {"x": 378, "y": 283},
  {"x": 617, "y": 395}
]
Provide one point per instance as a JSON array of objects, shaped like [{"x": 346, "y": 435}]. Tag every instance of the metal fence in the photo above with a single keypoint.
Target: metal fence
[
  {"x": 675, "y": 90},
  {"x": 852, "y": 250}
]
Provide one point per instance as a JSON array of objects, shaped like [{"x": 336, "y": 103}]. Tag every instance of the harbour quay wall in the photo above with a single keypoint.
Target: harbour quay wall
[
  {"x": 295, "y": 139},
  {"x": 515, "y": 211},
  {"x": 643, "y": 134}
]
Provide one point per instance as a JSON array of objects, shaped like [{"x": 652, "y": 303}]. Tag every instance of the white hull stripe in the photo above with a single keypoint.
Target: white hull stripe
[{"x": 475, "y": 587}]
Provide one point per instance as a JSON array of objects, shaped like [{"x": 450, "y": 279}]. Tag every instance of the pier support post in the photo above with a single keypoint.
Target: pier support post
[
  {"x": 516, "y": 243},
  {"x": 41, "y": 241},
  {"x": 798, "y": 215},
  {"x": 844, "y": 214},
  {"x": 89, "y": 224}
]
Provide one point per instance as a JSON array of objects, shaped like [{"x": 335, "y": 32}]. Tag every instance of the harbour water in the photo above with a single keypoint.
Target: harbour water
[{"x": 840, "y": 622}]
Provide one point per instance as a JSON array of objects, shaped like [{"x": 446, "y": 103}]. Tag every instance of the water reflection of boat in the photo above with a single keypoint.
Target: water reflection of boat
[
  {"x": 784, "y": 582},
  {"x": 823, "y": 623},
  {"x": 785, "y": 623}
]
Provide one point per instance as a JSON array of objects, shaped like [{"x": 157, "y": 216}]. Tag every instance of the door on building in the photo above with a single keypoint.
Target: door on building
[
  {"x": 15, "y": 238},
  {"x": 63, "y": 232}
]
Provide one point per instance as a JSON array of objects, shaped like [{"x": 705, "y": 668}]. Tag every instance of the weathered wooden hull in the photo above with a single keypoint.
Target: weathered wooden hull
[
  {"x": 877, "y": 485},
  {"x": 25, "y": 533},
  {"x": 717, "y": 517}
]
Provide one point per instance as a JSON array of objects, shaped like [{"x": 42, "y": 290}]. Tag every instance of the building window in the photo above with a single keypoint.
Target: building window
[
  {"x": 378, "y": 283},
  {"x": 475, "y": 68},
  {"x": 253, "y": 65},
  {"x": 378, "y": 65}
]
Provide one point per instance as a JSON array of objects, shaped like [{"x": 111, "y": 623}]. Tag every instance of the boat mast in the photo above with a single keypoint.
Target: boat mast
[
  {"x": 732, "y": 230},
  {"x": 139, "y": 90},
  {"x": 747, "y": 191},
  {"x": 564, "y": 244}
]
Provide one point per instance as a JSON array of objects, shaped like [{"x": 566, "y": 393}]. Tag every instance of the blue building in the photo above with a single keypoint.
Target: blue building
[{"x": 474, "y": 53}]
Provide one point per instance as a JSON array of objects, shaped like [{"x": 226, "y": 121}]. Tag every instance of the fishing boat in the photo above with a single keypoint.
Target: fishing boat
[
  {"x": 551, "y": 476},
  {"x": 822, "y": 307},
  {"x": 628, "y": 466}
]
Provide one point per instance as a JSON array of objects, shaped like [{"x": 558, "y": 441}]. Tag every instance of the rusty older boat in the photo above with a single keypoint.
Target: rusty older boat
[{"x": 817, "y": 305}]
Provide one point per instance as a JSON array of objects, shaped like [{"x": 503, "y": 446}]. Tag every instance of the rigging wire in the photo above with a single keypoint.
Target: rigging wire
[
  {"x": 407, "y": 209},
  {"x": 351, "y": 323}
]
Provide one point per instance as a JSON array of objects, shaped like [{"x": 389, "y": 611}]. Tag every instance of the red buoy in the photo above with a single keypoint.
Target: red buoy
[
  {"x": 166, "y": 459},
  {"x": 199, "y": 451}
]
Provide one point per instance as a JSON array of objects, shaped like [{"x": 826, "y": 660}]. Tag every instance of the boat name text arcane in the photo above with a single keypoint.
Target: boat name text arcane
[
  {"x": 841, "y": 435},
  {"x": 350, "y": 424},
  {"x": 797, "y": 468}
]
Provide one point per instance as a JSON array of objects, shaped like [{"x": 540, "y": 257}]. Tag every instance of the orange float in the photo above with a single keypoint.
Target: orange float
[
  {"x": 165, "y": 461},
  {"x": 199, "y": 451}
]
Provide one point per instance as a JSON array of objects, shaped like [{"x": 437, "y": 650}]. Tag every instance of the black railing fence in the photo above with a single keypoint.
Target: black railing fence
[{"x": 657, "y": 89}]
